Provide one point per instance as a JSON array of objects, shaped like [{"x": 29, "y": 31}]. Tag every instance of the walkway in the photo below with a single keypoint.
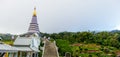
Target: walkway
[{"x": 50, "y": 50}]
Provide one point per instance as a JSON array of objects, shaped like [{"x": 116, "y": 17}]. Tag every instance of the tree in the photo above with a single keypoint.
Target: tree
[{"x": 63, "y": 46}]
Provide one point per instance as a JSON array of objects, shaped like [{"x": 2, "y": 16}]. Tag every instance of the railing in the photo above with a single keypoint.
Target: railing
[{"x": 56, "y": 48}]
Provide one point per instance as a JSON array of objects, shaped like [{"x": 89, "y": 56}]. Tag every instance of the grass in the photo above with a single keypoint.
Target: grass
[{"x": 9, "y": 42}]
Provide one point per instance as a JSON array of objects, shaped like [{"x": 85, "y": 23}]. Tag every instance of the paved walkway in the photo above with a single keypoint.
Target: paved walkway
[{"x": 50, "y": 50}]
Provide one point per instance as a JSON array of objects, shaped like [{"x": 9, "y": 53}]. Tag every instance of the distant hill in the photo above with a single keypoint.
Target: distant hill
[
  {"x": 6, "y": 36},
  {"x": 115, "y": 31}
]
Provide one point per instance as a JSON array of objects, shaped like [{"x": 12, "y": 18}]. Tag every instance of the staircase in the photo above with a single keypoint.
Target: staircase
[{"x": 50, "y": 49}]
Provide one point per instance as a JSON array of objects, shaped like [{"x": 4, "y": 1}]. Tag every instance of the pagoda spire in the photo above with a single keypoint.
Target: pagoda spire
[
  {"x": 34, "y": 12},
  {"x": 34, "y": 28}
]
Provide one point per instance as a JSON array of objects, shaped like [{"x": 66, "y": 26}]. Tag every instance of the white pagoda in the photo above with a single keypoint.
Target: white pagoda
[{"x": 28, "y": 43}]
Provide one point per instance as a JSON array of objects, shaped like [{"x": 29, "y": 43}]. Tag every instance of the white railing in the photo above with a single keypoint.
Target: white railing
[{"x": 56, "y": 48}]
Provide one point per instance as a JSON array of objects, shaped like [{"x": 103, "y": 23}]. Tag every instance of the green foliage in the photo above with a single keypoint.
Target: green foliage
[
  {"x": 51, "y": 39},
  {"x": 41, "y": 44},
  {"x": 102, "y": 38},
  {"x": 39, "y": 54},
  {"x": 10, "y": 42},
  {"x": 105, "y": 42},
  {"x": 6, "y": 36},
  {"x": 63, "y": 46}
]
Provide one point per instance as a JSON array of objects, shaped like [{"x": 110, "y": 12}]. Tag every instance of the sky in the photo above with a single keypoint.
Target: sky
[{"x": 60, "y": 15}]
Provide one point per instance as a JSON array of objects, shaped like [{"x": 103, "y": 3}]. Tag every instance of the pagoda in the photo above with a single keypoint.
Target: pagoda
[
  {"x": 34, "y": 28},
  {"x": 28, "y": 43}
]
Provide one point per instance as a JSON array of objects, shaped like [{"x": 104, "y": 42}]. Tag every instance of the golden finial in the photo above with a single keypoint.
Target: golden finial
[{"x": 34, "y": 13}]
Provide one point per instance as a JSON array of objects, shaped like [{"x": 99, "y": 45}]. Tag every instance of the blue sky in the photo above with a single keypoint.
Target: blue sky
[{"x": 60, "y": 15}]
